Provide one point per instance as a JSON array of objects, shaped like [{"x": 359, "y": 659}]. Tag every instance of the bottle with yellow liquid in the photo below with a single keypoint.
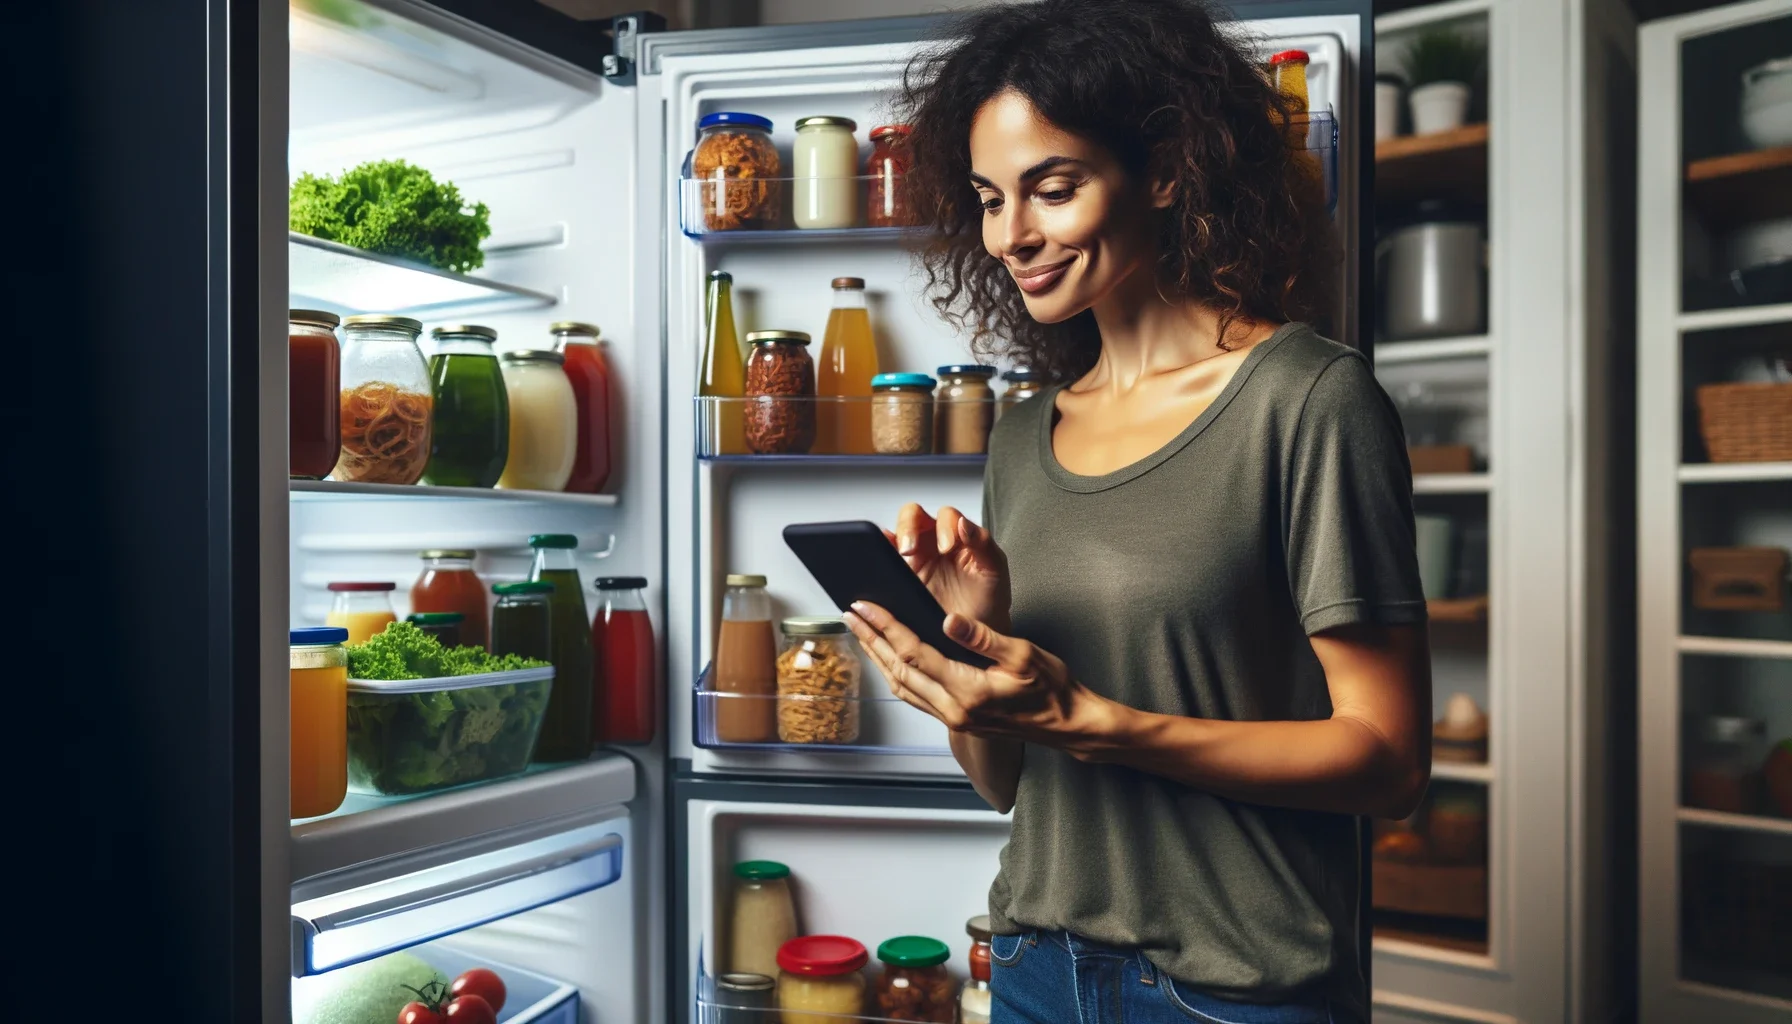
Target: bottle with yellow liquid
[
  {"x": 848, "y": 362},
  {"x": 723, "y": 374}
]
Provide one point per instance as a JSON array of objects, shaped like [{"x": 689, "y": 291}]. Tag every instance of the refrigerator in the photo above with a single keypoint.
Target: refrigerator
[{"x": 604, "y": 883}]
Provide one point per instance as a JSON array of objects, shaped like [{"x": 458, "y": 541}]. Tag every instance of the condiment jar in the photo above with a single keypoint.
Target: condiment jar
[
  {"x": 387, "y": 408},
  {"x": 544, "y": 421},
  {"x": 588, "y": 370},
  {"x": 738, "y": 167},
  {"x": 444, "y": 626},
  {"x": 974, "y": 998},
  {"x": 742, "y": 999},
  {"x": 902, "y": 413},
  {"x": 363, "y": 609},
  {"x": 780, "y": 405},
  {"x": 1022, "y": 384},
  {"x": 1723, "y": 764},
  {"x": 964, "y": 409},
  {"x": 1289, "y": 69},
  {"x": 819, "y": 979},
  {"x": 470, "y": 420},
  {"x": 764, "y": 917},
  {"x": 824, "y": 184},
  {"x": 886, "y": 205},
  {"x": 319, "y": 720},
  {"x": 314, "y": 394},
  {"x": 818, "y": 682},
  {"x": 915, "y": 984}
]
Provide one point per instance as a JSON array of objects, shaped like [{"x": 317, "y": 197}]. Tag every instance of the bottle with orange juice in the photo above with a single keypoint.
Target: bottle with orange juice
[
  {"x": 848, "y": 362},
  {"x": 319, "y": 754},
  {"x": 361, "y": 608}
]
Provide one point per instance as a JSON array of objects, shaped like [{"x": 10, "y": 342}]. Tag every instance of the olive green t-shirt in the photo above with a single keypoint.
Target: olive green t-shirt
[{"x": 1187, "y": 584}]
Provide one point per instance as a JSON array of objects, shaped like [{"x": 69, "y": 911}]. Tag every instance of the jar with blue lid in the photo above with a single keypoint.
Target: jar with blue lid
[
  {"x": 965, "y": 408},
  {"x": 902, "y": 414},
  {"x": 735, "y": 169}
]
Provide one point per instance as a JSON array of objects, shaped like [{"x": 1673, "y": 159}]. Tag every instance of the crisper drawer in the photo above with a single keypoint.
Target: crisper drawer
[{"x": 529, "y": 998}]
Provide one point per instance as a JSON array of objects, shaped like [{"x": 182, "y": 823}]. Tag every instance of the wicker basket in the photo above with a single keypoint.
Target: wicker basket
[{"x": 1746, "y": 421}]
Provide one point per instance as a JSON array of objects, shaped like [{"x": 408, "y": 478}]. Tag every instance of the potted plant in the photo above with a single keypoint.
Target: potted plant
[{"x": 1441, "y": 65}]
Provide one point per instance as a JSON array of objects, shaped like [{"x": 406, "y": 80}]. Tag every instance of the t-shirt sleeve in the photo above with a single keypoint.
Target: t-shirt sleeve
[{"x": 1351, "y": 555}]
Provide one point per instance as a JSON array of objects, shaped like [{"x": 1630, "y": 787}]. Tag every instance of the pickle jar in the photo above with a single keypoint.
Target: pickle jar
[
  {"x": 386, "y": 401},
  {"x": 915, "y": 984},
  {"x": 819, "y": 979},
  {"x": 818, "y": 682},
  {"x": 1022, "y": 384},
  {"x": 964, "y": 409},
  {"x": 780, "y": 413},
  {"x": 902, "y": 413}
]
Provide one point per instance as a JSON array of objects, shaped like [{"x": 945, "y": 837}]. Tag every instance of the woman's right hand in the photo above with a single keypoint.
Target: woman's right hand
[{"x": 958, "y": 560}]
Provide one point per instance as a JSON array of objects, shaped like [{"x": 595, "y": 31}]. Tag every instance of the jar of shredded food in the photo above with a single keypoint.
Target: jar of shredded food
[
  {"x": 915, "y": 984},
  {"x": 818, "y": 682},
  {"x": 737, "y": 167},
  {"x": 780, "y": 406},
  {"x": 902, "y": 413},
  {"x": 386, "y": 406}
]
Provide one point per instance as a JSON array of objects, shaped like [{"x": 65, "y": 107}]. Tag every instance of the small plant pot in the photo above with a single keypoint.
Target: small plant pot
[
  {"x": 1438, "y": 107},
  {"x": 1387, "y": 110}
]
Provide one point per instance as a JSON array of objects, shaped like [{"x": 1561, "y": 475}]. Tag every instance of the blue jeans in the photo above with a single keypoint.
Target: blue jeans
[{"x": 1058, "y": 978}]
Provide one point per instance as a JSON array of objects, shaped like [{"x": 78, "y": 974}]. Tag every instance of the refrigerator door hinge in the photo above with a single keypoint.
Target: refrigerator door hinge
[{"x": 625, "y": 33}]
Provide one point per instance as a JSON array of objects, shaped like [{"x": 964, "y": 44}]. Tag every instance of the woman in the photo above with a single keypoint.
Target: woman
[{"x": 1196, "y": 579}]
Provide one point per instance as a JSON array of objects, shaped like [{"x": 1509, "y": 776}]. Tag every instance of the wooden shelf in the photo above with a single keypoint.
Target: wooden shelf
[
  {"x": 1416, "y": 941},
  {"x": 1443, "y": 165},
  {"x": 1458, "y": 609},
  {"x": 1462, "y": 771},
  {"x": 1434, "y": 890},
  {"x": 1739, "y": 822},
  {"x": 1741, "y": 187}
]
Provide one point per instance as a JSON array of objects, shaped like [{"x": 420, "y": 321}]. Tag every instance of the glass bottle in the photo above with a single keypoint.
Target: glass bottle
[
  {"x": 387, "y": 406},
  {"x": 522, "y": 621},
  {"x": 848, "y": 362},
  {"x": 763, "y": 919},
  {"x": 589, "y": 374},
  {"x": 566, "y": 728},
  {"x": 544, "y": 421},
  {"x": 974, "y": 998},
  {"x": 314, "y": 393},
  {"x": 724, "y": 374},
  {"x": 448, "y": 584},
  {"x": 363, "y": 609},
  {"x": 825, "y": 167},
  {"x": 319, "y": 755},
  {"x": 624, "y": 652},
  {"x": 780, "y": 406},
  {"x": 885, "y": 204},
  {"x": 470, "y": 431},
  {"x": 746, "y": 664}
]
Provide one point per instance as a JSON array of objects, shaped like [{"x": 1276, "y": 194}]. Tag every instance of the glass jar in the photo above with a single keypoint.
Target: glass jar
[
  {"x": 1723, "y": 764},
  {"x": 824, "y": 186},
  {"x": 738, "y": 165},
  {"x": 902, "y": 413},
  {"x": 589, "y": 374},
  {"x": 819, "y": 979},
  {"x": 964, "y": 409},
  {"x": 1022, "y": 384},
  {"x": 818, "y": 682},
  {"x": 448, "y": 584},
  {"x": 314, "y": 393},
  {"x": 885, "y": 204},
  {"x": 544, "y": 421},
  {"x": 974, "y": 998},
  {"x": 742, "y": 999},
  {"x": 319, "y": 755},
  {"x": 1289, "y": 69},
  {"x": 387, "y": 408},
  {"x": 623, "y": 652},
  {"x": 915, "y": 984},
  {"x": 780, "y": 413},
  {"x": 763, "y": 919},
  {"x": 470, "y": 427},
  {"x": 745, "y": 664},
  {"x": 522, "y": 620},
  {"x": 363, "y": 609},
  {"x": 444, "y": 626},
  {"x": 566, "y": 725},
  {"x": 843, "y": 378}
]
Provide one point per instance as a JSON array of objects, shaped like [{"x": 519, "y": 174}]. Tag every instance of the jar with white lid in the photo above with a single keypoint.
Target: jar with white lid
[{"x": 825, "y": 189}]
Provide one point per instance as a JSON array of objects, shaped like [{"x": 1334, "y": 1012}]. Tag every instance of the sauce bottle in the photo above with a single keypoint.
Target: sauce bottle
[
  {"x": 589, "y": 373},
  {"x": 566, "y": 726},
  {"x": 724, "y": 375},
  {"x": 746, "y": 665},
  {"x": 848, "y": 362},
  {"x": 623, "y": 651}
]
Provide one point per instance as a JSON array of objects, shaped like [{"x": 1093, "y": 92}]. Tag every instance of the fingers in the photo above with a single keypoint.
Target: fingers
[
  {"x": 948, "y": 528},
  {"x": 907, "y": 662},
  {"x": 912, "y": 523}
]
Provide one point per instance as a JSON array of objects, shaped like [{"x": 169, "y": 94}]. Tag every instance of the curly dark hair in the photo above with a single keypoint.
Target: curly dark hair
[{"x": 1159, "y": 85}]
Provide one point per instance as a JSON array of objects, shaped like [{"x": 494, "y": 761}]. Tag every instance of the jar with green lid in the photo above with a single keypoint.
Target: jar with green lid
[
  {"x": 902, "y": 413},
  {"x": 444, "y": 626},
  {"x": 964, "y": 409},
  {"x": 1022, "y": 384},
  {"x": 387, "y": 404},
  {"x": 470, "y": 430},
  {"x": 818, "y": 682},
  {"x": 915, "y": 984},
  {"x": 522, "y": 620},
  {"x": 763, "y": 919}
]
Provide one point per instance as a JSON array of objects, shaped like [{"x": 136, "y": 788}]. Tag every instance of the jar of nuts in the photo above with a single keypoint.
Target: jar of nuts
[
  {"x": 818, "y": 682},
  {"x": 902, "y": 413},
  {"x": 964, "y": 409},
  {"x": 738, "y": 168},
  {"x": 915, "y": 984},
  {"x": 780, "y": 406}
]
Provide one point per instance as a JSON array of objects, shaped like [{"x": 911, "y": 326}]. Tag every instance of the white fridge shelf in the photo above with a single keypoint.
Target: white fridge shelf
[
  {"x": 348, "y": 280},
  {"x": 325, "y": 490}
]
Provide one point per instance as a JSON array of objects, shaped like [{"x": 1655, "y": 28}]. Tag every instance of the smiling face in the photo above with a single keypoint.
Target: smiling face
[{"x": 1060, "y": 212}]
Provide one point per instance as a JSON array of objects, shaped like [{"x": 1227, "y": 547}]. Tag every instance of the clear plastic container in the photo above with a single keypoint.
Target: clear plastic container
[
  {"x": 915, "y": 984},
  {"x": 818, "y": 682},
  {"x": 319, "y": 667},
  {"x": 418, "y": 735},
  {"x": 819, "y": 979},
  {"x": 388, "y": 408}
]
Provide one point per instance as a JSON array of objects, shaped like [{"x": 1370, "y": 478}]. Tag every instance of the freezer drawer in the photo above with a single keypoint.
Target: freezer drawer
[{"x": 529, "y": 998}]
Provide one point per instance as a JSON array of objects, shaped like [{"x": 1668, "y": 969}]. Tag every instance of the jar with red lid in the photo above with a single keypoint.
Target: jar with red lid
[
  {"x": 819, "y": 979},
  {"x": 885, "y": 203}
]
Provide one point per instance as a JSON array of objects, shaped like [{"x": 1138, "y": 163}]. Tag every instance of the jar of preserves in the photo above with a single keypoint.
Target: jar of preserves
[
  {"x": 745, "y": 672},
  {"x": 544, "y": 421},
  {"x": 589, "y": 373},
  {"x": 885, "y": 204},
  {"x": 824, "y": 182},
  {"x": 1022, "y": 384},
  {"x": 902, "y": 413},
  {"x": 915, "y": 984},
  {"x": 522, "y": 620},
  {"x": 1723, "y": 764},
  {"x": 444, "y": 626},
  {"x": 764, "y": 917},
  {"x": 387, "y": 408},
  {"x": 319, "y": 755},
  {"x": 363, "y": 609},
  {"x": 737, "y": 167},
  {"x": 314, "y": 393},
  {"x": 819, "y": 979},
  {"x": 974, "y": 998},
  {"x": 1289, "y": 69},
  {"x": 964, "y": 409},
  {"x": 470, "y": 429},
  {"x": 780, "y": 413},
  {"x": 449, "y": 584},
  {"x": 818, "y": 682}
]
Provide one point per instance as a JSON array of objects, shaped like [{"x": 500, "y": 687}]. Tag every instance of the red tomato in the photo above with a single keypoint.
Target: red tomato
[
  {"x": 482, "y": 982},
  {"x": 418, "y": 1013},
  {"x": 471, "y": 1010}
]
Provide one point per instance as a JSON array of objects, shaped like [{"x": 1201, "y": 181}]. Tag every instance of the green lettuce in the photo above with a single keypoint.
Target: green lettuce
[{"x": 395, "y": 208}]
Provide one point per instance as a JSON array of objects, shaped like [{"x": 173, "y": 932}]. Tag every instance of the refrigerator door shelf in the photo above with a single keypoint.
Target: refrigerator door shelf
[
  {"x": 765, "y": 414},
  {"x": 863, "y": 725},
  {"x": 343, "y": 490},
  {"x": 529, "y": 998},
  {"x": 371, "y": 920},
  {"x": 344, "y": 279}
]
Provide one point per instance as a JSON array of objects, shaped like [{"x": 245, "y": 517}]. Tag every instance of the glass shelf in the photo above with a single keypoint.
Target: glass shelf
[
  {"x": 343, "y": 279},
  {"x": 810, "y": 430},
  {"x": 872, "y": 725},
  {"x": 840, "y": 461},
  {"x": 327, "y": 490}
]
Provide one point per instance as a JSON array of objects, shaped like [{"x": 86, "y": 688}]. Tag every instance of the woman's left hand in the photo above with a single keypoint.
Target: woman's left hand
[{"x": 1027, "y": 694}]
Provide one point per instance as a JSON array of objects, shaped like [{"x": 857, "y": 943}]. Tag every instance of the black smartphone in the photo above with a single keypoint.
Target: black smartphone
[{"x": 854, "y": 561}]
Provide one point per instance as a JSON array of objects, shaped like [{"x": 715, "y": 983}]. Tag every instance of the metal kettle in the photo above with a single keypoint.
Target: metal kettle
[{"x": 1431, "y": 275}]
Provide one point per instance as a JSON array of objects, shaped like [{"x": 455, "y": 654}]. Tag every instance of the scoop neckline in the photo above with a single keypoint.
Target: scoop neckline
[{"x": 1048, "y": 458}]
